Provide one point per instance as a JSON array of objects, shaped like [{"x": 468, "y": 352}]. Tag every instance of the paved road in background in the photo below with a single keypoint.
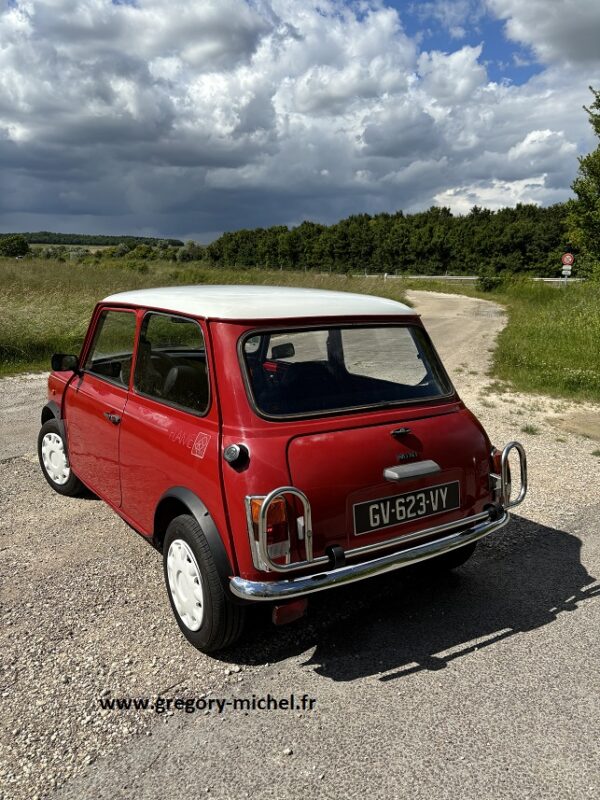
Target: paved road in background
[{"x": 479, "y": 684}]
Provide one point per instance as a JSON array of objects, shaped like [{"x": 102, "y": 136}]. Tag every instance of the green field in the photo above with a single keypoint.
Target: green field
[{"x": 551, "y": 344}]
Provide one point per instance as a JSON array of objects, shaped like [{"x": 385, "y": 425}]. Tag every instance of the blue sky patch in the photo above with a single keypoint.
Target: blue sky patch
[{"x": 431, "y": 25}]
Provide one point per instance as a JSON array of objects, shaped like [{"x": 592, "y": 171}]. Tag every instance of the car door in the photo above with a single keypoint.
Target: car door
[
  {"x": 95, "y": 402},
  {"x": 170, "y": 429}
]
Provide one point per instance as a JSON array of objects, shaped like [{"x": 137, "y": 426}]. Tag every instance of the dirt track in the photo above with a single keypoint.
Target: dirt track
[
  {"x": 483, "y": 684},
  {"x": 461, "y": 326}
]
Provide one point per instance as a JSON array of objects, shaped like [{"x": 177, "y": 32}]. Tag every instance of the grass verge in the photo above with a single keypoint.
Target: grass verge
[{"x": 551, "y": 344}]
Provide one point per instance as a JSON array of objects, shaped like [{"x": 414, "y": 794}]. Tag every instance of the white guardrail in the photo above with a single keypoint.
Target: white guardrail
[{"x": 448, "y": 278}]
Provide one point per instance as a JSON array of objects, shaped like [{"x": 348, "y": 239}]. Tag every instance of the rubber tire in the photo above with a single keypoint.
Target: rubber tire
[
  {"x": 223, "y": 620},
  {"x": 73, "y": 487},
  {"x": 453, "y": 559}
]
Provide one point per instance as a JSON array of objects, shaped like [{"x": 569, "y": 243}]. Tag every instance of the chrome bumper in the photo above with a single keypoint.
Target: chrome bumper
[
  {"x": 308, "y": 584},
  {"x": 473, "y": 528}
]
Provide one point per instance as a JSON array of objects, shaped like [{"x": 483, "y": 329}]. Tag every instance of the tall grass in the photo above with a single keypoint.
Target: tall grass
[
  {"x": 552, "y": 341},
  {"x": 45, "y": 306}
]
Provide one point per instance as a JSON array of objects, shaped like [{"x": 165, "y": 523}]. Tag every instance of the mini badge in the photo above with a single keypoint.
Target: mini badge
[{"x": 406, "y": 456}]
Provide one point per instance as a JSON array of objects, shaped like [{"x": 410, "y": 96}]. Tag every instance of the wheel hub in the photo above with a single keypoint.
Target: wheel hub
[
  {"x": 55, "y": 459},
  {"x": 185, "y": 583}
]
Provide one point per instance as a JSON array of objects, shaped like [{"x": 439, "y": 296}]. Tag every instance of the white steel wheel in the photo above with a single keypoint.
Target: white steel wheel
[
  {"x": 55, "y": 459},
  {"x": 197, "y": 583},
  {"x": 185, "y": 583}
]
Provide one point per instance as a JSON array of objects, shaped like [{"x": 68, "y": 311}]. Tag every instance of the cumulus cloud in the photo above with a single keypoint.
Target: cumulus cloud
[
  {"x": 179, "y": 118},
  {"x": 453, "y": 15},
  {"x": 451, "y": 79},
  {"x": 560, "y": 30},
  {"x": 541, "y": 146},
  {"x": 495, "y": 194}
]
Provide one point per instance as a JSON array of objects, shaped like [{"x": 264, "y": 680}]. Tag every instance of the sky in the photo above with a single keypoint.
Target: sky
[{"x": 187, "y": 118}]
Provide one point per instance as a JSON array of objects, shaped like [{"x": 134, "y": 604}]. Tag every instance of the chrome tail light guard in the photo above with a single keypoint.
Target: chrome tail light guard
[
  {"x": 505, "y": 478},
  {"x": 260, "y": 552}
]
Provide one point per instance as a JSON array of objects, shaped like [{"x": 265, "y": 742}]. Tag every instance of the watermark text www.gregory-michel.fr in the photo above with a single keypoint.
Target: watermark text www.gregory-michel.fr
[{"x": 216, "y": 705}]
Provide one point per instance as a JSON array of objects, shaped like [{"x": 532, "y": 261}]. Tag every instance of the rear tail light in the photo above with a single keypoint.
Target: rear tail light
[
  {"x": 278, "y": 530},
  {"x": 496, "y": 458},
  {"x": 279, "y": 537}
]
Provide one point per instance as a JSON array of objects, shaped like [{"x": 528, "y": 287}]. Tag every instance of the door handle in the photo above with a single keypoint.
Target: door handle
[{"x": 114, "y": 418}]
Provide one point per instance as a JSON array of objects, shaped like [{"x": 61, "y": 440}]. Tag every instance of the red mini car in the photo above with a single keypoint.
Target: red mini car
[{"x": 273, "y": 442}]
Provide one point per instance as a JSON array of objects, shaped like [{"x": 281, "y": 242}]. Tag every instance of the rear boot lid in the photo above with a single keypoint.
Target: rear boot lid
[{"x": 341, "y": 470}]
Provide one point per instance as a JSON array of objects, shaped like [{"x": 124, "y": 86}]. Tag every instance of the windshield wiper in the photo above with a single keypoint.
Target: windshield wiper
[{"x": 385, "y": 404}]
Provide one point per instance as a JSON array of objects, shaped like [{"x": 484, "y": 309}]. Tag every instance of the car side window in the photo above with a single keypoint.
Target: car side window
[
  {"x": 171, "y": 362},
  {"x": 112, "y": 347}
]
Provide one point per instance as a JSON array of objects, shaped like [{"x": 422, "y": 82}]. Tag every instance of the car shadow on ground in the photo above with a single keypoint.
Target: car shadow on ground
[{"x": 414, "y": 619}]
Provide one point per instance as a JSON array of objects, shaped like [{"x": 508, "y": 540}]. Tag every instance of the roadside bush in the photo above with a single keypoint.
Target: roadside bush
[
  {"x": 13, "y": 245},
  {"x": 489, "y": 283},
  {"x": 143, "y": 251},
  {"x": 121, "y": 250},
  {"x": 192, "y": 251},
  {"x": 52, "y": 252}
]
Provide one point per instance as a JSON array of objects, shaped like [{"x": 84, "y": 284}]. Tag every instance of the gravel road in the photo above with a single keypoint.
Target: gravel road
[{"x": 484, "y": 683}]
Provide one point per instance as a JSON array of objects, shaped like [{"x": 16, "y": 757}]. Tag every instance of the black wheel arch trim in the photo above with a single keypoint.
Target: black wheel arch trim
[
  {"x": 54, "y": 409},
  {"x": 202, "y": 515}
]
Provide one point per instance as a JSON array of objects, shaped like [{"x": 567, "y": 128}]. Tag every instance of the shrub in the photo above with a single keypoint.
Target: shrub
[
  {"x": 12, "y": 246},
  {"x": 489, "y": 283}
]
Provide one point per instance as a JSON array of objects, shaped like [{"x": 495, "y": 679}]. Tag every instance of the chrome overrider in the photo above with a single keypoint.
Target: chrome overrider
[{"x": 459, "y": 533}]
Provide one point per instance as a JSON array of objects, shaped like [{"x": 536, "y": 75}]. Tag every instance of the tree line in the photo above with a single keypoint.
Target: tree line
[
  {"x": 527, "y": 239},
  {"x": 87, "y": 239}
]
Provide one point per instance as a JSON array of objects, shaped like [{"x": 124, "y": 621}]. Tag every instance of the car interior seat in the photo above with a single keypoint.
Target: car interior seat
[{"x": 187, "y": 385}]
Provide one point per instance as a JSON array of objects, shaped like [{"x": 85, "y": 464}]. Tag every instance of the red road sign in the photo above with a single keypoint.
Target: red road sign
[{"x": 567, "y": 259}]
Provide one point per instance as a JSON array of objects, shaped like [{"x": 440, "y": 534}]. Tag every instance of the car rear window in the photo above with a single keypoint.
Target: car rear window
[{"x": 329, "y": 369}]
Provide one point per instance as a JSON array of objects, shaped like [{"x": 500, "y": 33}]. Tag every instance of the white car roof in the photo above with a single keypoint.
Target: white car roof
[{"x": 259, "y": 302}]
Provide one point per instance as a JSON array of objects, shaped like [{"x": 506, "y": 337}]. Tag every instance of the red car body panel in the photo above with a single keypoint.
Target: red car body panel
[{"x": 343, "y": 467}]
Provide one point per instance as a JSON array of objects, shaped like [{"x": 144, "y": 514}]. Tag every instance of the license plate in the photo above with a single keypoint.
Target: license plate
[{"x": 388, "y": 512}]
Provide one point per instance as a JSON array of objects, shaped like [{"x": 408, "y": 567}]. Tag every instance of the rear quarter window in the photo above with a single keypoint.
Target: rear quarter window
[{"x": 171, "y": 362}]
